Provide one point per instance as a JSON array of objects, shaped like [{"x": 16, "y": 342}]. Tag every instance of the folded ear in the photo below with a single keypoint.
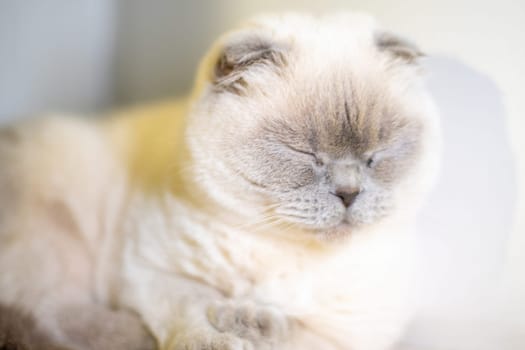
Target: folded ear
[
  {"x": 241, "y": 55},
  {"x": 397, "y": 47}
]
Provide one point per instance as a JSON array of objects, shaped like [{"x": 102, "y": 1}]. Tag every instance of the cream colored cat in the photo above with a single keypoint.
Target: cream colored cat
[{"x": 272, "y": 210}]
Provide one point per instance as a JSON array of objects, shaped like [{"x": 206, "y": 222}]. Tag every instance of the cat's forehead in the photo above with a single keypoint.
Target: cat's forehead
[{"x": 336, "y": 119}]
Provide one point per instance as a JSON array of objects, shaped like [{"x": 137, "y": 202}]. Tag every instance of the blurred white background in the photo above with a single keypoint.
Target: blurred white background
[{"x": 92, "y": 55}]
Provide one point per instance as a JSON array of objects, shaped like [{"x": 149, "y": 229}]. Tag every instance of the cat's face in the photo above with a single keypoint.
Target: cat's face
[{"x": 319, "y": 123}]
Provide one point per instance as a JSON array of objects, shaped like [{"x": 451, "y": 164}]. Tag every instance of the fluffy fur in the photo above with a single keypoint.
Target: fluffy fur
[
  {"x": 19, "y": 332},
  {"x": 271, "y": 210}
]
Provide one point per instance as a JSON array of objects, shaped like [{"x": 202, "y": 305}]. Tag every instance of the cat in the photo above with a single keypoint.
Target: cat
[{"x": 271, "y": 209}]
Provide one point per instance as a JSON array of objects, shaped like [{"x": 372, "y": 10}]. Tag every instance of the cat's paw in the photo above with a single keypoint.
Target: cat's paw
[
  {"x": 249, "y": 321},
  {"x": 210, "y": 341}
]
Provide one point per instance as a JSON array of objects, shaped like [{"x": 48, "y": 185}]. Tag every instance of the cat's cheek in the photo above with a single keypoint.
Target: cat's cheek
[{"x": 371, "y": 207}]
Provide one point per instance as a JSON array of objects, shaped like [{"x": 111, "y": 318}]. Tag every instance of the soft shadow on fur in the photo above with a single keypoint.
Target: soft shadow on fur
[{"x": 18, "y": 331}]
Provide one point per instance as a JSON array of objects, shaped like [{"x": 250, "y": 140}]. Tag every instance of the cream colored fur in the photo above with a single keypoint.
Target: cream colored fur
[{"x": 124, "y": 212}]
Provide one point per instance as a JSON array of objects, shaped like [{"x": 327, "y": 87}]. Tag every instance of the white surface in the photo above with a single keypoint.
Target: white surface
[{"x": 467, "y": 222}]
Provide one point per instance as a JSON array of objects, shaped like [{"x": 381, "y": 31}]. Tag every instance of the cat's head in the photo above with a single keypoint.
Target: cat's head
[{"x": 321, "y": 123}]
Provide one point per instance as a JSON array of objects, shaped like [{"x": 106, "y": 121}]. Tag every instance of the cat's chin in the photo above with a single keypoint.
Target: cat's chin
[{"x": 337, "y": 232}]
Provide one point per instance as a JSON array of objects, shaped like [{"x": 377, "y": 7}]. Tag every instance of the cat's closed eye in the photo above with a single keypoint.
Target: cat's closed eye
[{"x": 318, "y": 161}]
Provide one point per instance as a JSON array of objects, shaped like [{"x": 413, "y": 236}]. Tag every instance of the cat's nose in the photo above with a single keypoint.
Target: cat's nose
[{"x": 347, "y": 195}]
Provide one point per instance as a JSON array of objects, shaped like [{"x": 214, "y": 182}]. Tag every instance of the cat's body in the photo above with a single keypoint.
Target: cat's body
[{"x": 167, "y": 212}]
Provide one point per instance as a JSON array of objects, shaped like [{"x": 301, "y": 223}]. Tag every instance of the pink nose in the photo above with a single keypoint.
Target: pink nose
[{"x": 347, "y": 195}]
